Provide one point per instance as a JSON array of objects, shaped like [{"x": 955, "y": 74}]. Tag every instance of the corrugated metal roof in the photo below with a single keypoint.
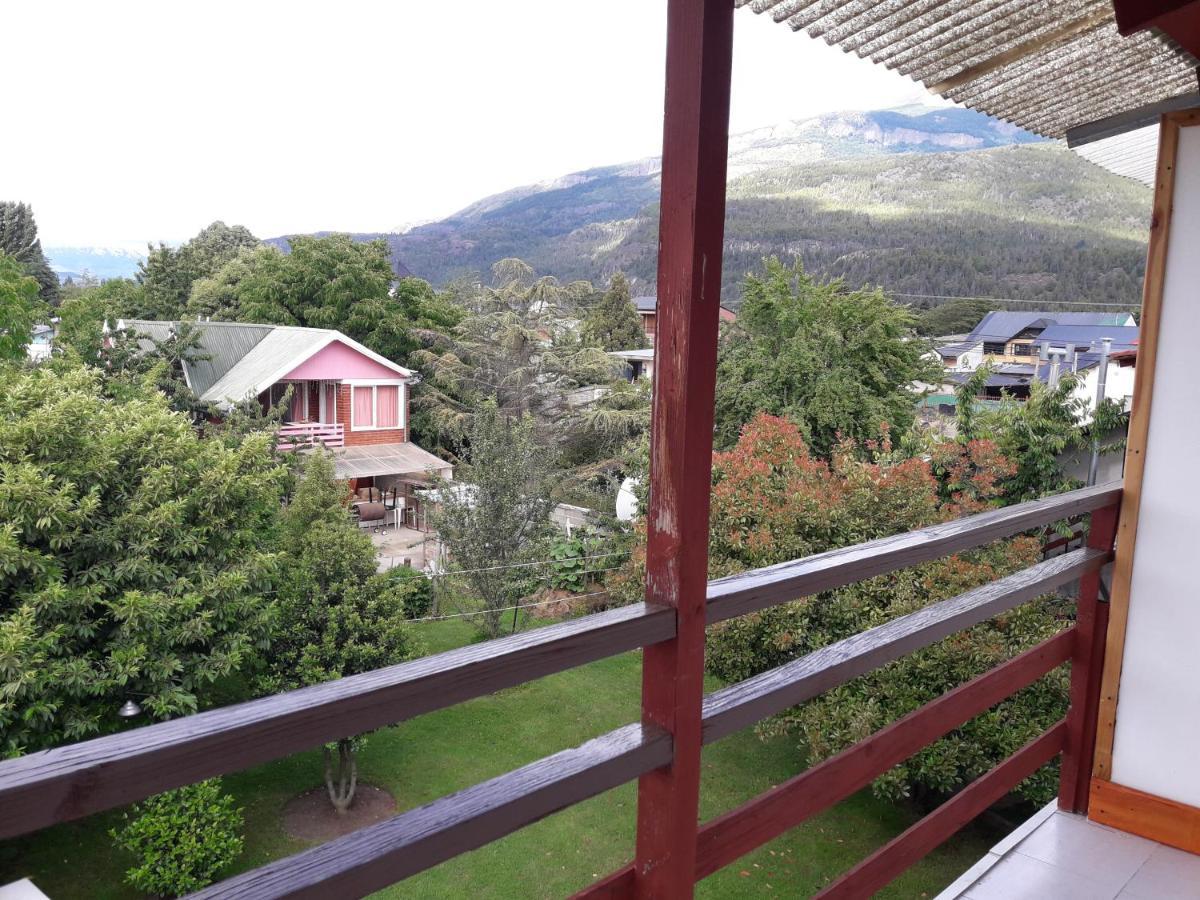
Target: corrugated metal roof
[
  {"x": 386, "y": 459},
  {"x": 1001, "y": 325},
  {"x": 1045, "y": 65},
  {"x": 1132, "y": 154},
  {"x": 223, "y": 343},
  {"x": 244, "y": 359},
  {"x": 281, "y": 350},
  {"x": 1081, "y": 336},
  {"x": 956, "y": 349}
]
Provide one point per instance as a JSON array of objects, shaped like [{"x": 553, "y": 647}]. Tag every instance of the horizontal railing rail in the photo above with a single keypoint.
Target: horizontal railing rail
[
  {"x": 374, "y": 857},
  {"x": 741, "y": 705},
  {"x": 64, "y": 783},
  {"x": 748, "y": 592}
]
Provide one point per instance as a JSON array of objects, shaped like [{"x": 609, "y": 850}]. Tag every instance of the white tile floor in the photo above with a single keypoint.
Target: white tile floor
[{"x": 1059, "y": 856}]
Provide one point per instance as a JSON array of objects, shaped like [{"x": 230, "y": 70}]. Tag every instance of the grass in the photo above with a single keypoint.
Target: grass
[{"x": 445, "y": 751}]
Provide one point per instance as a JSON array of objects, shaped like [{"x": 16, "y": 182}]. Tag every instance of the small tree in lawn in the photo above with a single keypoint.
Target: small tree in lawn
[
  {"x": 501, "y": 519},
  {"x": 337, "y": 615}
]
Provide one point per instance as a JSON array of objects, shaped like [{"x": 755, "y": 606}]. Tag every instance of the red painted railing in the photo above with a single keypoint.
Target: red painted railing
[
  {"x": 299, "y": 435},
  {"x": 69, "y": 782}
]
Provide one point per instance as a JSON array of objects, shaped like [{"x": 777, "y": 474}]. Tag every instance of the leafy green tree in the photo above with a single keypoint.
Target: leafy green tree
[
  {"x": 135, "y": 557},
  {"x": 19, "y": 239},
  {"x": 613, "y": 323},
  {"x": 328, "y": 282},
  {"x": 316, "y": 285},
  {"x": 517, "y": 347},
  {"x": 168, "y": 274},
  {"x": 337, "y": 616},
  {"x": 839, "y": 363},
  {"x": 498, "y": 517},
  {"x": 19, "y": 308},
  {"x": 84, "y": 313},
  {"x": 1034, "y": 433},
  {"x": 953, "y": 317},
  {"x": 181, "y": 839},
  {"x": 773, "y": 501}
]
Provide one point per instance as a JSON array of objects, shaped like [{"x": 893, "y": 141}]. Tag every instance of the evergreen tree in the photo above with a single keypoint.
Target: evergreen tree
[
  {"x": 613, "y": 323},
  {"x": 169, "y": 273},
  {"x": 19, "y": 239}
]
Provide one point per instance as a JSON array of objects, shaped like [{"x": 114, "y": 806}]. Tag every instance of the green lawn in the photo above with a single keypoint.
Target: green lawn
[{"x": 435, "y": 754}]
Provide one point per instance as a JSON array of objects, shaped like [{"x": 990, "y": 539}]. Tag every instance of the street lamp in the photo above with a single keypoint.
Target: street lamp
[{"x": 129, "y": 709}]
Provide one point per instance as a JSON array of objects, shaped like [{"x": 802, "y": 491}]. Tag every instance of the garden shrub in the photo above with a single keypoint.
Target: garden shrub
[
  {"x": 181, "y": 839},
  {"x": 415, "y": 590}
]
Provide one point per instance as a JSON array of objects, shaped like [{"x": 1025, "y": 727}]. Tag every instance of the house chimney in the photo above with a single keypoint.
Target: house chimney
[{"x": 1056, "y": 357}]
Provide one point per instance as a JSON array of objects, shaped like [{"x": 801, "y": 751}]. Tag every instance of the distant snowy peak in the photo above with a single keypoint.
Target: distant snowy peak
[{"x": 100, "y": 262}]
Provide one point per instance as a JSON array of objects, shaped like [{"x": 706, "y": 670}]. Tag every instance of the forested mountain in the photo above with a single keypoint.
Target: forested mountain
[{"x": 921, "y": 202}]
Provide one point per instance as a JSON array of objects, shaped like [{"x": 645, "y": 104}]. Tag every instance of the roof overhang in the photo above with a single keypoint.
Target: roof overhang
[
  {"x": 1047, "y": 67},
  {"x": 388, "y": 459}
]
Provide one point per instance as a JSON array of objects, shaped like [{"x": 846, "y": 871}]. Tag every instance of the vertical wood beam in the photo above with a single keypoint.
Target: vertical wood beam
[
  {"x": 1087, "y": 666},
  {"x": 691, "y": 236}
]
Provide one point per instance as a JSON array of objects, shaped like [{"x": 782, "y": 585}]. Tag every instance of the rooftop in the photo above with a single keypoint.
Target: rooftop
[{"x": 244, "y": 359}]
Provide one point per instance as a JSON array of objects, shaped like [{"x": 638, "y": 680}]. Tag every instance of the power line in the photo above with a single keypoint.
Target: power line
[
  {"x": 482, "y": 612},
  {"x": 1014, "y": 300}
]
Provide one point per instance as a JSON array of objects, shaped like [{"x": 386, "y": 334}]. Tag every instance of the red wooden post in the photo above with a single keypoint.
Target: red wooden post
[
  {"x": 1087, "y": 667},
  {"x": 691, "y": 235}
]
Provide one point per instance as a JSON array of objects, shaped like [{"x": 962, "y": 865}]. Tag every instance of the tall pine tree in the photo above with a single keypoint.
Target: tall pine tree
[{"x": 19, "y": 239}]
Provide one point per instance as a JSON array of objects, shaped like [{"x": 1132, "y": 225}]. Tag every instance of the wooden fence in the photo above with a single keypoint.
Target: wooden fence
[{"x": 65, "y": 783}]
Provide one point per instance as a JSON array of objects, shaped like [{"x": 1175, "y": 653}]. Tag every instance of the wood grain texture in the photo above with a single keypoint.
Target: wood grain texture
[
  {"x": 690, "y": 244},
  {"x": 741, "y": 705},
  {"x": 1137, "y": 812},
  {"x": 374, "y": 857},
  {"x": 1138, "y": 435},
  {"x": 900, "y": 853},
  {"x": 616, "y": 886},
  {"x": 57, "y": 785},
  {"x": 751, "y": 591},
  {"x": 770, "y": 814},
  {"x": 1087, "y": 664}
]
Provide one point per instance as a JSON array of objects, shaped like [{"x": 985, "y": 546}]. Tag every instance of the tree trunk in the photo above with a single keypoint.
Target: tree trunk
[{"x": 342, "y": 781}]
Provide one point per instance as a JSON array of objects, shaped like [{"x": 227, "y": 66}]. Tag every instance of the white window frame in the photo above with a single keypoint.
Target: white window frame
[{"x": 373, "y": 384}]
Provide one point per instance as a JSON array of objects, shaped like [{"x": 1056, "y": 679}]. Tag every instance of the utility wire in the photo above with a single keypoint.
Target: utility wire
[
  {"x": 1014, "y": 300},
  {"x": 481, "y": 612}
]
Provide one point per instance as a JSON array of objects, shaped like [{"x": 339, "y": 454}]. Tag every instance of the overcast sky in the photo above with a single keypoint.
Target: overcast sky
[{"x": 135, "y": 121}]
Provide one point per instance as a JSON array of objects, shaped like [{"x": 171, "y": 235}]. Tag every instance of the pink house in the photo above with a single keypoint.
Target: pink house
[{"x": 344, "y": 395}]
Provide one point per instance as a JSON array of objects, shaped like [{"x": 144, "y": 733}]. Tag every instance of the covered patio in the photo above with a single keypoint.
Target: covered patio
[{"x": 1076, "y": 68}]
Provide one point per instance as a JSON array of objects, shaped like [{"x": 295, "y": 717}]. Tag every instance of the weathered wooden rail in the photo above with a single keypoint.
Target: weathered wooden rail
[{"x": 65, "y": 783}]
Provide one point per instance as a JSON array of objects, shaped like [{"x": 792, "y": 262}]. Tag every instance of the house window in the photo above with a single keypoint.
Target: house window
[
  {"x": 376, "y": 406},
  {"x": 387, "y": 406},
  {"x": 1022, "y": 349},
  {"x": 364, "y": 407},
  {"x": 991, "y": 348}
]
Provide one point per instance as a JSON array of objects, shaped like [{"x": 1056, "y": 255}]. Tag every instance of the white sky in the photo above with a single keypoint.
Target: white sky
[{"x": 140, "y": 121}]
